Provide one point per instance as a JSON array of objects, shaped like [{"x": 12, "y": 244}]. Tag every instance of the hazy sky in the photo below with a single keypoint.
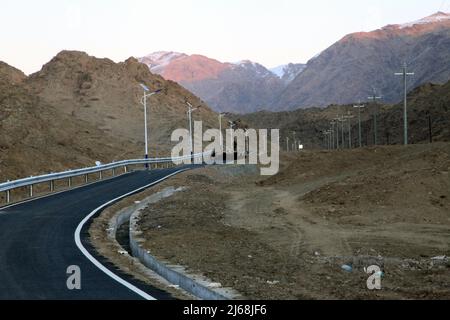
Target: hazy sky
[{"x": 271, "y": 32}]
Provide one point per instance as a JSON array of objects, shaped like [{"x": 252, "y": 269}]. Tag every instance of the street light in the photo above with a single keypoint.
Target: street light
[
  {"x": 221, "y": 115},
  {"x": 337, "y": 120},
  {"x": 374, "y": 98},
  {"x": 359, "y": 106},
  {"x": 190, "y": 110},
  {"x": 341, "y": 120},
  {"x": 333, "y": 133},
  {"x": 327, "y": 138},
  {"x": 146, "y": 95},
  {"x": 296, "y": 149},
  {"x": 348, "y": 118},
  {"x": 405, "y": 75}
]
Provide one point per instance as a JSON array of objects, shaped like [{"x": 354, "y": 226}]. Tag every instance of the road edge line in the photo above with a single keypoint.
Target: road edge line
[{"x": 77, "y": 236}]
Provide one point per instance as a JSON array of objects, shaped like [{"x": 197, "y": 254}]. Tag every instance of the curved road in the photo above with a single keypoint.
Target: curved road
[{"x": 37, "y": 244}]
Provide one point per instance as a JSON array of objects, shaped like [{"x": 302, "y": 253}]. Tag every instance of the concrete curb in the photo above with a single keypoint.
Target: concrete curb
[{"x": 196, "y": 285}]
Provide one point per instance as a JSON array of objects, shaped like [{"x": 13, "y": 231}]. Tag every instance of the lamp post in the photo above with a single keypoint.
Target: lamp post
[
  {"x": 348, "y": 118},
  {"x": 374, "y": 98},
  {"x": 221, "y": 115},
  {"x": 147, "y": 94},
  {"x": 405, "y": 75},
  {"x": 359, "y": 106},
  {"x": 295, "y": 141},
  {"x": 333, "y": 134},
  {"x": 336, "y": 120},
  {"x": 189, "y": 112}
]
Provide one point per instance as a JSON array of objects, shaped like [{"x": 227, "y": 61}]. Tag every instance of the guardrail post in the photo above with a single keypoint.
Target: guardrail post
[
  {"x": 8, "y": 195},
  {"x": 113, "y": 172},
  {"x": 86, "y": 178},
  {"x": 31, "y": 190},
  {"x": 125, "y": 169},
  {"x": 101, "y": 175},
  {"x": 70, "y": 182},
  {"x": 52, "y": 185}
]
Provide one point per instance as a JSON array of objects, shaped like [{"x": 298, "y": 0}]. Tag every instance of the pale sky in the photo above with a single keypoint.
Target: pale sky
[{"x": 271, "y": 32}]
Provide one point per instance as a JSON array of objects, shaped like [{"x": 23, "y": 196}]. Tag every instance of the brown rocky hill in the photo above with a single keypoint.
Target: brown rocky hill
[
  {"x": 79, "y": 109},
  {"x": 349, "y": 69},
  {"x": 10, "y": 75},
  {"x": 427, "y": 101},
  {"x": 227, "y": 87}
]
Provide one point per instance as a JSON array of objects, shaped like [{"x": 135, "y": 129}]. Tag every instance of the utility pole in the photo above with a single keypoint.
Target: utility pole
[
  {"x": 430, "y": 129},
  {"x": 232, "y": 125},
  {"x": 189, "y": 112},
  {"x": 405, "y": 75},
  {"x": 341, "y": 121},
  {"x": 374, "y": 98},
  {"x": 295, "y": 141},
  {"x": 337, "y": 132},
  {"x": 220, "y": 128},
  {"x": 332, "y": 123},
  {"x": 147, "y": 94},
  {"x": 359, "y": 106},
  {"x": 348, "y": 118},
  {"x": 327, "y": 139}
]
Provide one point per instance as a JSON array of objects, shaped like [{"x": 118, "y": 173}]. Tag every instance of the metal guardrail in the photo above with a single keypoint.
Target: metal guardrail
[{"x": 10, "y": 185}]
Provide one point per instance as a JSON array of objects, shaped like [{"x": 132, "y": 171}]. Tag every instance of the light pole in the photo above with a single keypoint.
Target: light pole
[
  {"x": 360, "y": 106},
  {"x": 190, "y": 110},
  {"x": 326, "y": 135},
  {"x": 337, "y": 132},
  {"x": 146, "y": 95},
  {"x": 405, "y": 75},
  {"x": 330, "y": 139},
  {"x": 295, "y": 141},
  {"x": 332, "y": 134},
  {"x": 232, "y": 125},
  {"x": 374, "y": 98},
  {"x": 348, "y": 118},
  {"x": 340, "y": 120},
  {"x": 221, "y": 115}
]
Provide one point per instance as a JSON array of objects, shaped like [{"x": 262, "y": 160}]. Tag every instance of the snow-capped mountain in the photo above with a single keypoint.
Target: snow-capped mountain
[
  {"x": 435, "y": 18},
  {"x": 346, "y": 71},
  {"x": 157, "y": 61},
  {"x": 243, "y": 86},
  {"x": 288, "y": 72}
]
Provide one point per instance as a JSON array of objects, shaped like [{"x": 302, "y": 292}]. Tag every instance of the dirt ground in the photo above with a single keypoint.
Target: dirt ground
[{"x": 288, "y": 236}]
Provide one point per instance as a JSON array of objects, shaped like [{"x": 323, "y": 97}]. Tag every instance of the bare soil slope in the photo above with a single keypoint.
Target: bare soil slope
[
  {"x": 79, "y": 109},
  {"x": 288, "y": 236}
]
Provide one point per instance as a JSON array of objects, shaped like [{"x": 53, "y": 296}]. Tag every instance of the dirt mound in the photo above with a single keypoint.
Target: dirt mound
[
  {"x": 288, "y": 236},
  {"x": 79, "y": 109}
]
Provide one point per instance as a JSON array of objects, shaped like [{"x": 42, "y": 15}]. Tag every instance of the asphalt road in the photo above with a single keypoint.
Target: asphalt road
[{"x": 37, "y": 245}]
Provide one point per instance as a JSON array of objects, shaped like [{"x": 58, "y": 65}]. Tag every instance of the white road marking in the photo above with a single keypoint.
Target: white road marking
[
  {"x": 95, "y": 261},
  {"x": 62, "y": 191}
]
